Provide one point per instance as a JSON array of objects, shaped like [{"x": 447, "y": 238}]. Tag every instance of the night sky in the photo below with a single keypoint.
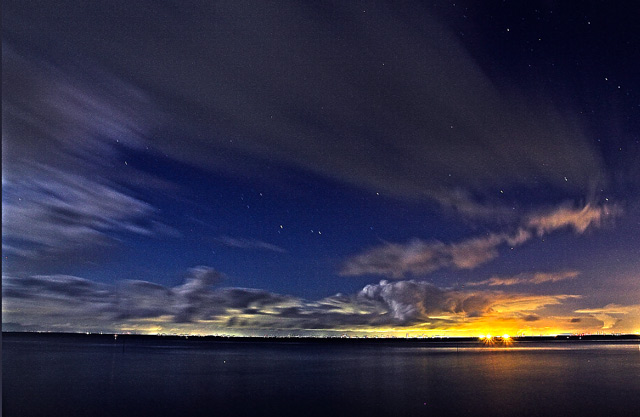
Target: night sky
[{"x": 249, "y": 168}]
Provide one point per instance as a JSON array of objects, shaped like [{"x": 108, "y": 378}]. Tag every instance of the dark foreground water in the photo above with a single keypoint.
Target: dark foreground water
[{"x": 98, "y": 376}]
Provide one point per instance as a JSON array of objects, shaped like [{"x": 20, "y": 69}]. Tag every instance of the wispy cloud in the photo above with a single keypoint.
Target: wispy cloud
[
  {"x": 307, "y": 107},
  {"x": 461, "y": 201},
  {"x": 66, "y": 187},
  {"x": 580, "y": 219},
  {"x": 58, "y": 116},
  {"x": 610, "y": 309},
  {"x": 49, "y": 212},
  {"x": 527, "y": 278},
  {"x": 242, "y": 243},
  {"x": 419, "y": 257}
]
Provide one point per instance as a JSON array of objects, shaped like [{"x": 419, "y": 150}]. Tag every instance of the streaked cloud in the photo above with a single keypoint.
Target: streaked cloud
[
  {"x": 67, "y": 190},
  {"x": 49, "y": 212},
  {"x": 58, "y": 116},
  {"x": 610, "y": 309},
  {"x": 527, "y": 278},
  {"x": 579, "y": 219},
  {"x": 242, "y": 243},
  {"x": 443, "y": 127},
  {"x": 418, "y": 257}
]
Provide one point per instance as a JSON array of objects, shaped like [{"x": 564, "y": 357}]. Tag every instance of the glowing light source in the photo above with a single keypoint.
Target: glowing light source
[{"x": 490, "y": 340}]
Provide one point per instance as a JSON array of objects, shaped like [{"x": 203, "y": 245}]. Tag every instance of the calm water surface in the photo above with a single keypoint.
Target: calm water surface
[{"x": 76, "y": 376}]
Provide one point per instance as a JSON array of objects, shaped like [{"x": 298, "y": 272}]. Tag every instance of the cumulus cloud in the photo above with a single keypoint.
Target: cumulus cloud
[
  {"x": 71, "y": 303},
  {"x": 81, "y": 300},
  {"x": 527, "y": 278},
  {"x": 242, "y": 243},
  {"x": 417, "y": 301},
  {"x": 409, "y": 301},
  {"x": 612, "y": 315}
]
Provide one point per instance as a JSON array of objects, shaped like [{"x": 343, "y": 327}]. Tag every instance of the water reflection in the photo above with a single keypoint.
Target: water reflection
[{"x": 291, "y": 379}]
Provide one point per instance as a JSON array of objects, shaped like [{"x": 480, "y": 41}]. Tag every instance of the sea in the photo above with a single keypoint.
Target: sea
[{"x": 99, "y": 375}]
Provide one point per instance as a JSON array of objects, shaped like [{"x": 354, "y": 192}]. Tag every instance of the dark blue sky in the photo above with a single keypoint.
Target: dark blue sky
[{"x": 236, "y": 167}]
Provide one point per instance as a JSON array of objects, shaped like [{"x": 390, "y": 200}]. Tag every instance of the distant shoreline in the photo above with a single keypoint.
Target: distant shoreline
[{"x": 334, "y": 339}]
